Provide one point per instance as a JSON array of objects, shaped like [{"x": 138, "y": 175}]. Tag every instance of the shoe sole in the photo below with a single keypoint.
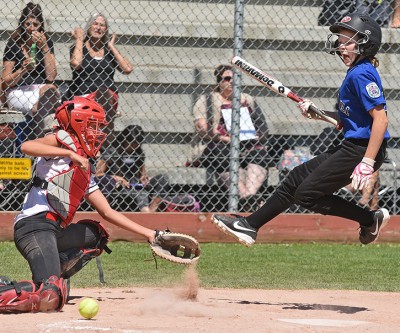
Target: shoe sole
[{"x": 240, "y": 237}]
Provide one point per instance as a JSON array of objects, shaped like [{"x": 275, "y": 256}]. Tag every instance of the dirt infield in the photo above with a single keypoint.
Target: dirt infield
[{"x": 135, "y": 310}]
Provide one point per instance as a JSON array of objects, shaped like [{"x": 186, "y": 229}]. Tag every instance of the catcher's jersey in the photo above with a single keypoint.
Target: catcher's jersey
[
  {"x": 360, "y": 92},
  {"x": 36, "y": 200}
]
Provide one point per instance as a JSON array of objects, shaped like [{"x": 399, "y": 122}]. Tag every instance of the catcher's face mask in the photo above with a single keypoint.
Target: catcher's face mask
[{"x": 92, "y": 136}]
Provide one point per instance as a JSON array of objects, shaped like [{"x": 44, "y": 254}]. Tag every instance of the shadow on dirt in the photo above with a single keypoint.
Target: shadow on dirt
[{"x": 306, "y": 306}]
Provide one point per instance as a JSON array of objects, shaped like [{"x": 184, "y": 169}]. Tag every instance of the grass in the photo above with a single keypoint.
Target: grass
[{"x": 263, "y": 266}]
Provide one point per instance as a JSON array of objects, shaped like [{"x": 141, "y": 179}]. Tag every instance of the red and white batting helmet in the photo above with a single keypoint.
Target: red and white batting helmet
[{"x": 85, "y": 118}]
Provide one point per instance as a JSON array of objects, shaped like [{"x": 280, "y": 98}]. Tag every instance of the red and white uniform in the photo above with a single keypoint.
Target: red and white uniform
[{"x": 36, "y": 201}]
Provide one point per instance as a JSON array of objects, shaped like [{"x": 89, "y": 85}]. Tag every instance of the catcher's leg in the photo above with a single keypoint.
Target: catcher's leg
[
  {"x": 24, "y": 296},
  {"x": 74, "y": 258},
  {"x": 36, "y": 239}
]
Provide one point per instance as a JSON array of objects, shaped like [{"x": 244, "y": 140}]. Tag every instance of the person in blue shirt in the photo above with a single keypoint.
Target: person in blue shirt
[{"x": 361, "y": 113}]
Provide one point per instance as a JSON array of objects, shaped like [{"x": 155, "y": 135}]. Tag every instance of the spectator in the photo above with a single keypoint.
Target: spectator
[
  {"x": 107, "y": 182},
  {"x": 334, "y": 10},
  {"x": 27, "y": 82},
  {"x": 212, "y": 114},
  {"x": 128, "y": 169},
  {"x": 94, "y": 59},
  {"x": 8, "y": 138},
  {"x": 8, "y": 119},
  {"x": 396, "y": 14}
]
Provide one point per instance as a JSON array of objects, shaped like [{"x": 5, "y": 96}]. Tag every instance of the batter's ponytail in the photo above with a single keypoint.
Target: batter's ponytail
[{"x": 374, "y": 62}]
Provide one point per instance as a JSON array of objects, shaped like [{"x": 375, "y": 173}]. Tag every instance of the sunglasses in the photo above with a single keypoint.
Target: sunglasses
[{"x": 227, "y": 78}]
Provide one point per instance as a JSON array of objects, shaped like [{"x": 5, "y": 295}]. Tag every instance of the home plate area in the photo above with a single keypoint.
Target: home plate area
[{"x": 151, "y": 310}]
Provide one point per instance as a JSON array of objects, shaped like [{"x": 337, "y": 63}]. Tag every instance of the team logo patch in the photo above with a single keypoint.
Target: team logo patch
[
  {"x": 346, "y": 19},
  {"x": 373, "y": 90}
]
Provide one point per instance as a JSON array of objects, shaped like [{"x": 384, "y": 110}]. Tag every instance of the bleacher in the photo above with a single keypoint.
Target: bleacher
[{"x": 175, "y": 46}]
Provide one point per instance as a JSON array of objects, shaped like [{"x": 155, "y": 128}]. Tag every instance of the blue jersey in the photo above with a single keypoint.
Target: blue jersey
[{"x": 360, "y": 92}]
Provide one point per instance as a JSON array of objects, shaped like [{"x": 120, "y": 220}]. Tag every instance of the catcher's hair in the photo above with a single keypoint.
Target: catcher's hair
[
  {"x": 90, "y": 22},
  {"x": 219, "y": 71},
  {"x": 30, "y": 10}
]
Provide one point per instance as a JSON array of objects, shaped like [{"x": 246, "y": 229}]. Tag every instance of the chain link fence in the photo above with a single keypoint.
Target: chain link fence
[{"x": 174, "y": 48}]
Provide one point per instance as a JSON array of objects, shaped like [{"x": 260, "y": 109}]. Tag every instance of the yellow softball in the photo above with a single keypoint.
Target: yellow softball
[{"x": 88, "y": 308}]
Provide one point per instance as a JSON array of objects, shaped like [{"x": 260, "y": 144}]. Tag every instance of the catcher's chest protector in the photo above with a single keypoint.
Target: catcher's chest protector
[{"x": 66, "y": 190}]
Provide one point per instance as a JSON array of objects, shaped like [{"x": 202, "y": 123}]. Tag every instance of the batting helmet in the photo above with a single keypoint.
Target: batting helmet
[
  {"x": 370, "y": 32},
  {"x": 85, "y": 118}
]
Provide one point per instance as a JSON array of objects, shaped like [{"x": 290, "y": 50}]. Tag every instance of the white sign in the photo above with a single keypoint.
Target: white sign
[{"x": 247, "y": 130}]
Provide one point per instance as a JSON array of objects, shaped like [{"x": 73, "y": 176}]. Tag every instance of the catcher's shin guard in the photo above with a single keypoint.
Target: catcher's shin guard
[
  {"x": 73, "y": 260},
  {"x": 23, "y": 296}
]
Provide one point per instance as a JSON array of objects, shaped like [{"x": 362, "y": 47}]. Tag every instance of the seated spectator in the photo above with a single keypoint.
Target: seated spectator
[
  {"x": 94, "y": 59},
  {"x": 126, "y": 169},
  {"x": 212, "y": 114},
  {"x": 106, "y": 181},
  {"x": 8, "y": 138},
  {"x": 27, "y": 82}
]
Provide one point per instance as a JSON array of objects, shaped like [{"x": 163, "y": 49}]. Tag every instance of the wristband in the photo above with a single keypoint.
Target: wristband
[{"x": 368, "y": 161}]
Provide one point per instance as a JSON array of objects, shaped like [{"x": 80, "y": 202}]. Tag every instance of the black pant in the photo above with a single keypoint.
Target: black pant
[
  {"x": 312, "y": 183},
  {"x": 40, "y": 240}
]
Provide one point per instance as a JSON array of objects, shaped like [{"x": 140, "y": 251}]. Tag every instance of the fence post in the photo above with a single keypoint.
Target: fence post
[{"x": 235, "y": 142}]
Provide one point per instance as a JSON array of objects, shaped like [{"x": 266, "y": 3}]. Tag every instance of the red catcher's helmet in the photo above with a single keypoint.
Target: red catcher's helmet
[{"x": 85, "y": 118}]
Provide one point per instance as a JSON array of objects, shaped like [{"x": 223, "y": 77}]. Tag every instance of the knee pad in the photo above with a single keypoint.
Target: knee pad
[
  {"x": 73, "y": 260},
  {"x": 102, "y": 236},
  {"x": 23, "y": 296}
]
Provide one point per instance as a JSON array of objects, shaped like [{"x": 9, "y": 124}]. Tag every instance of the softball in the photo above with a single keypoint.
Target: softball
[{"x": 88, "y": 308}]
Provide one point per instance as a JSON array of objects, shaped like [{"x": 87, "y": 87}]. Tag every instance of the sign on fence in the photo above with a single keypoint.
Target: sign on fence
[{"x": 15, "y": 168}]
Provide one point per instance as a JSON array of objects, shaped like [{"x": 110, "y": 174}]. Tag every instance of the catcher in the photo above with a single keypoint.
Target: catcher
[{"x": 54, "y": 248}]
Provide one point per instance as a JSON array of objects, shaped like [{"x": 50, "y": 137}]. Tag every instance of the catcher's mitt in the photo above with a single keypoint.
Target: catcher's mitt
[{"x": 176, "y": 247}]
